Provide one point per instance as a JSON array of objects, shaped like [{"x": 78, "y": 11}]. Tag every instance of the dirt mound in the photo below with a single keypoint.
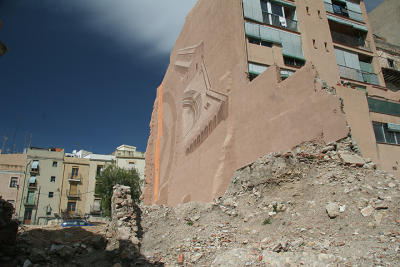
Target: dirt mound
[{"x": 317, "y": 204}]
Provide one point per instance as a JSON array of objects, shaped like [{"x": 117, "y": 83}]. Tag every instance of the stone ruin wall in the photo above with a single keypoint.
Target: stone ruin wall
[{"x": 209, "y": 119}]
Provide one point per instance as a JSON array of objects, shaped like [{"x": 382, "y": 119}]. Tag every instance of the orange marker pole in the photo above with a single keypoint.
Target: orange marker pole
[{"x": 158, "y": 141}]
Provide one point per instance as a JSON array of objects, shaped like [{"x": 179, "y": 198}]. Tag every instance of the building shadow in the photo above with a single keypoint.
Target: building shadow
[{"x": 74, "y": 246}]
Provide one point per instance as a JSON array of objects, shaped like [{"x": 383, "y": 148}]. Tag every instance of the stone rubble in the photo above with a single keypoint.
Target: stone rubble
[{"x": 316, "y": 205}]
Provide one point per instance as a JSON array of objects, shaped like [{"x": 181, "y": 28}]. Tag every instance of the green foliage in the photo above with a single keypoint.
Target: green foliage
[
  {"x": 111, "y": 176},
  {"x": 190, "y": 223},
  {"x": 275, "y": 207},
  {"x": 267, "y": 221}
]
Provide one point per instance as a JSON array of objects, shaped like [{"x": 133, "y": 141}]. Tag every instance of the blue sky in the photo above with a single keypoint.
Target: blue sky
[{"x": 82, "y": 74}]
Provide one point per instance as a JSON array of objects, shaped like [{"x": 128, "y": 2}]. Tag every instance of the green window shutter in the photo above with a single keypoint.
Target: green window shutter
[
  {"x": 256, "y": 68},
  {"x": 328, "y": 5},
  {"x": 252, "y": 30},
  {"x": 393, "y": 127},
  {"x": 352, "y": 60},
  {"x": 366, "y": 67},
  {"x": 340, "y": 57},
  {"x": 284, "y": 3},
  {"x": 354, "y": 10},
  {"x": 385, "y": 107},
  {"x": 252, "y": 10},
  {"x": 291, "y": 45},
  {"x": 270, "y": 35}
]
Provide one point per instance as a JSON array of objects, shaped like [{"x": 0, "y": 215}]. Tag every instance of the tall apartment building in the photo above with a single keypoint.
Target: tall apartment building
[
  {"x": 74, "y": 188},
  {"x": 12, "y": 172},
  {"x": 249, "y": 77},
  {"x": 40, "y": 188}
]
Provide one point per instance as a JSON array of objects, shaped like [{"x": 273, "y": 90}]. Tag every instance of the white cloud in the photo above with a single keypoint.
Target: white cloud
[{"x": 153, "y": 23}]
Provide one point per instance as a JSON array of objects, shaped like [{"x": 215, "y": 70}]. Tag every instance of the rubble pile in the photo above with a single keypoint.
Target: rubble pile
[
  {"x": 316, "y": 205},
  {"x": 122, "y": 231},
  {"x": 8, "y": 232}
]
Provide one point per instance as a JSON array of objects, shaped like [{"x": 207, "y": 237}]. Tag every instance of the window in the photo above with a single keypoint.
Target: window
[
  {"x": 54, "y": 163},
  {"x": 71, "y": 206},
  {"x": 53, "y": 179},
  {"x": 291, "y": 61},
  {"x": 386, "y": 134},
  {"x": 390, "y": 63},
  {"x": 51, "y": 194},
  {"x": 340, "y": 8},
  {"x": 276, "y": 9},
  {"x": 75, "y": 172},
  {"x": 14, "y": 182},
  {"x": 131, "y": 164},
  {"x": 259, "y": 42},
  {"x": 99, "y": 170},
  {"x": 48, "y": 210}
]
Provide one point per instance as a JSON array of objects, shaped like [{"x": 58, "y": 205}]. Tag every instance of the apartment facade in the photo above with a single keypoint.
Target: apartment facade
[
  {"x": 260, "y": 76},
  {"x": 74, "y": 188},
  {"x": 12, "y": 172},
  {"x": 127, "y": 157},
  {"x": 97, "y": 162},
  {"x": 40, "y": 189}
]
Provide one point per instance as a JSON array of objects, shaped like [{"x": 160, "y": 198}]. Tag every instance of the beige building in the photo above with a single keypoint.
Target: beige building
[
  {"x": 12, "y": 172},
  {"x": 74, "y": 188},
  {"x": 40, "y": 189},
  {"x": 389, "y": 60},
  {"x": 127, "y": 157},
  {"x": 97, "y": 163},
  {"x": 249, "y": 77}
]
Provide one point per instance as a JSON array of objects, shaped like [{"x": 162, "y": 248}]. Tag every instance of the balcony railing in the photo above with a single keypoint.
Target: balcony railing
[
  {"x": 71, "y": 213},
  {"x": 342, "y": 11},
  {"x": 349, "y": 40},
  {"x": 73, "y": 194},
  {"x": 30, "y": 201},
  {"x": 74, "y": 178},
  {"x": 281, "y": 22},
  {"x": 358, "y": 75}
]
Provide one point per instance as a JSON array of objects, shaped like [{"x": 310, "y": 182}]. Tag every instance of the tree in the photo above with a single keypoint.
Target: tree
[{"x": 111, "y": 176}]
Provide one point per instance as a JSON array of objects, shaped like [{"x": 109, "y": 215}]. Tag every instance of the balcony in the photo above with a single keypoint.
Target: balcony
[
  {"x": 32, "y": 186},
  {"x": 343, "y": 11},
  {"x": 281, "y": 22},
  {"x": 34, "y": 171},
  {"x": 30, "y": 201},
  {"x": 353, "y": 41},
  {"x": 74, "y": 178},
  {"x": 358, "y": 75},
  {"x": 73, "y": 194}
]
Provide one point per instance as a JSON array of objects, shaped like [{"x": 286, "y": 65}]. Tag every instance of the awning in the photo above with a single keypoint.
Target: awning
[
  {"x": 32, "y": 180},
  {"x": 284, "y": 3},
  {"x": 393, "y": 127},
  {"x": 348, "y": 23},
  {"x": 35, "y": 164}
]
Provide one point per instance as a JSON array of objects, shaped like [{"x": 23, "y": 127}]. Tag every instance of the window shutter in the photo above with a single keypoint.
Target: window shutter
[
  {"x": 252, "y": 30},
  {"x": 252, "y": 10},
  {"x": 256, "y": 69},
  {"x": 340, "y": 57},
  {"x": 270, "y": 35},
  {"x": 366, "y": 67},
  {"x": 328, "y": 5},
  {"x": 352, "y": 60},
  {"x": 354, "y": 10},
  {"x": 291, "y": 45}
]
